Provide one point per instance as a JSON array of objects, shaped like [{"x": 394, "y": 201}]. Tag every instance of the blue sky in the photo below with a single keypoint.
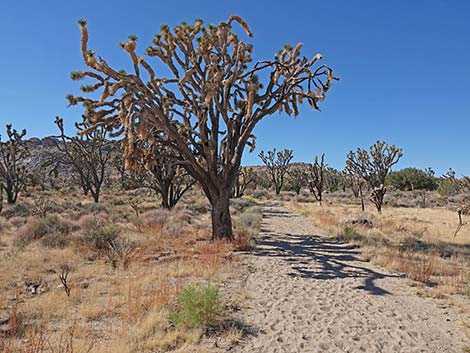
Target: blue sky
[{"x": 404, "y": 68}]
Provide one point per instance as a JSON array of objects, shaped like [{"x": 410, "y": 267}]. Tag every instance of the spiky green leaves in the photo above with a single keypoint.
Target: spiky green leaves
[
  {"x": 87, "y": 88},
  {"x": 76, "y": 75},
  {"x": 71, "y": 99}
]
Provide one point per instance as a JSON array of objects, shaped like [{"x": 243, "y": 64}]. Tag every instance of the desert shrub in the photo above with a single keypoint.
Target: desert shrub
[
  {"x": 244, "y": 240},
  {"x": 41, "y": 207},
  {"x": 98, "y": 235},
  {"x": 247, "y": 225},
  {"x": 120, "y": 250},
  {"x": 4, "y": 225},
  {"x": 418, "y": 268},
  {"x": 85, "y": 221},
  {"x": 154, "y": 218},
  {"x": 350, "y": 234},
  {"x": 120, "y": 215},
  {"x": 177, "y": 222},
  {"x": 17, "y": 210},
  {"x": 198, "y": 306},
  {"x": 448, "y": 187},
  {"x": 17, "y": 221},
  {"x": 173, "y": 228},
  {"x": 55, "y": 239},
  {"x": 95, "y": 207},
  {"x": 51, "y": 230},
  {"x": 250, "y": 218}
]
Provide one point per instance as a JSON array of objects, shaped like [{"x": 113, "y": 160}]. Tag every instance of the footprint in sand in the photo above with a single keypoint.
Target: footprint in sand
[{"x": 310, "y": 293}]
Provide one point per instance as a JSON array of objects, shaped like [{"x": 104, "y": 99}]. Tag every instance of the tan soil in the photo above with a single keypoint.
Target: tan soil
[{"x": 310, "y": 293}]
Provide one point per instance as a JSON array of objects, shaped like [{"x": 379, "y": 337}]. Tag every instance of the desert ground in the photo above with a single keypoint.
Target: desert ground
[
  {"x": 298, "y": 278},
  {"x": 314, "y": 293}
]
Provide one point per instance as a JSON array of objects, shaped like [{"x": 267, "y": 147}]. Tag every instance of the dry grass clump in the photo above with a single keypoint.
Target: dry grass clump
[
  {"x": 247, "y": 223},
  {"x": 246, "y": 228}
]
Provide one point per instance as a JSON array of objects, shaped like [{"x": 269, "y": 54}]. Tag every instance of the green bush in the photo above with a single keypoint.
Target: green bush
[
  {"x": 448, "y": 187},
  {"x": 409, "y": 179},
  {"x": 350, "y": 234},
  {"x": 198, "y": 306},
  {"x": 98, "y": 235}
]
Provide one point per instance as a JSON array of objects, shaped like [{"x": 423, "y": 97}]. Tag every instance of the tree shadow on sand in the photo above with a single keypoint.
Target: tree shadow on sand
[{"x": 317, "y": 257}]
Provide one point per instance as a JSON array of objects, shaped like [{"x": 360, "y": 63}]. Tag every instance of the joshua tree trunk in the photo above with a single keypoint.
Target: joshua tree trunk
[
  {"x": 11, "y": 193},
  {"x": 362, "y": 198},
  {"x": 1, "y": 197},
  {"x": 165, "y": 199},
  {"x": 377, "y": 197},
  {"x": 96, "y": 195},
  {"x": 166, "y": 193},
  {"x": 221, "y": 220}
]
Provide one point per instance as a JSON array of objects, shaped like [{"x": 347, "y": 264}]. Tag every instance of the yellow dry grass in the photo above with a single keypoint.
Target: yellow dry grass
[
  {"x": 112, "y": 310},
  {"x": 429, "y": 224}
]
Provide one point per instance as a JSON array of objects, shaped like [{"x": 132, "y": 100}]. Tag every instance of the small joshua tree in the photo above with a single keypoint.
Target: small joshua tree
[
  {"x": 65, "y": 270},
  {"x": 246, "y": 177},
  {"x": 41, "y": 207},
  {"x": 356, "y": 184},
  {"x": 164, "y": 174},
  {"x": 317, "y": 178},
  {"x": 298, "y": 177},
  {"x": 204, "y": 100},
  {"x": 87, "y": 154},
  {"x": 45, "y": 174},
  {"x": 373, "y": 167},
  {"x": 277, "y": 164},
  {"x": 13, "y": 173}
]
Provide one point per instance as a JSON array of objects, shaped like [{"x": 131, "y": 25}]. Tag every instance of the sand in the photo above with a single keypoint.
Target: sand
[{"x": 310, "y": 293}]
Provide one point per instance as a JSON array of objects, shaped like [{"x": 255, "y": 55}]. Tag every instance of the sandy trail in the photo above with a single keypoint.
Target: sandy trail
[{"x": 310, "y": 293}]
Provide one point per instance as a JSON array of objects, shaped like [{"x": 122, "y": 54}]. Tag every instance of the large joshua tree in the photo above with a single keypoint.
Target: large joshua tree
[
  {"x": 373, "y": 167},
  {"x": 202, "y": 98}
]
